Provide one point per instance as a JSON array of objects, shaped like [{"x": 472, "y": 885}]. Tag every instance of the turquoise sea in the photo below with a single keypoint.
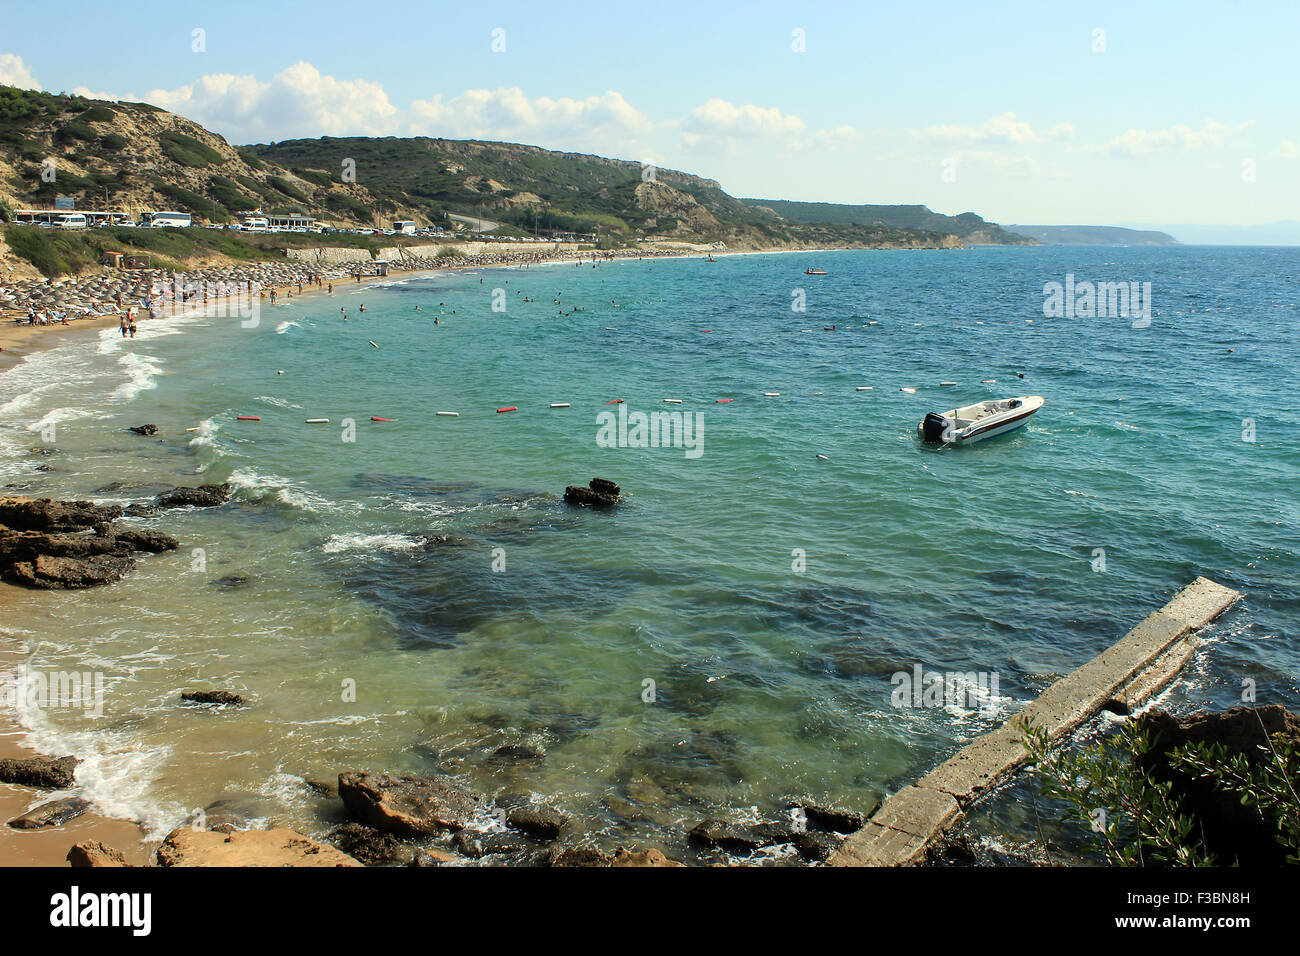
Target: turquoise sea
[{"x": 420, "y": 596}]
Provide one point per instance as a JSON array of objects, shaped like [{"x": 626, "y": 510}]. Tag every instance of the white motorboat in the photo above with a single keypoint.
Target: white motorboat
[{"x": 963, "y": 426}]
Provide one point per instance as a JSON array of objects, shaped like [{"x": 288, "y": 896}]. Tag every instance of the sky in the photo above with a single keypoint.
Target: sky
[{"x": 1025, "y": 112}]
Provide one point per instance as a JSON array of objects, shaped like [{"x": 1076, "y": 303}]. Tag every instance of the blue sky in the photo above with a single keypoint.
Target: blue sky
[{"x": 1023, "y": 112}]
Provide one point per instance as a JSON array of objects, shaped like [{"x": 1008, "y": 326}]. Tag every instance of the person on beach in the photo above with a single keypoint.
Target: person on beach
[
  {"x": 132, "y": 328},
  {"x": 123, "y": 323},
  {"x": 331, "y": 288}
]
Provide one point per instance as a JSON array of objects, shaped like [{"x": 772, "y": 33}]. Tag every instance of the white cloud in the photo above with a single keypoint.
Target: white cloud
[
  {"x": 1005, "y": 128},
  {"x": 1144, "y": 142},
  {"x": 508, "y": 113},
  {"x": 13, "y": 72},
  {"x": 297, "y": 102},
  {"x": 719, "y": 119}
]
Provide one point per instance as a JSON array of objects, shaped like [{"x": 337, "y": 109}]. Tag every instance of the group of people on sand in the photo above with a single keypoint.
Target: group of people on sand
[{"x": 35, "y": 317}]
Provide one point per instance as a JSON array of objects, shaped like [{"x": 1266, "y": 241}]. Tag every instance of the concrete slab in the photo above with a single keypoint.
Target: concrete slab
[{"x": 1135, "y": 668}]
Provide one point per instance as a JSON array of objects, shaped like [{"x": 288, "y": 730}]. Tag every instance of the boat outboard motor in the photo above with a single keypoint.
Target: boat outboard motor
[{"x": 935, "y": 428}]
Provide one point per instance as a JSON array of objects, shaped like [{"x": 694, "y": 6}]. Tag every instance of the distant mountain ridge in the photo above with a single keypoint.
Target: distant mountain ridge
[
  {"x": 967, "y": 226},
  {"x": 1285, "y": 232},
  {"x": 1094, "y": 235}
]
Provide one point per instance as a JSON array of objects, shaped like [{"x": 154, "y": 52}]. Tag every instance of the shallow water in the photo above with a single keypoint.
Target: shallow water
[{"x": 432, "y": 562}]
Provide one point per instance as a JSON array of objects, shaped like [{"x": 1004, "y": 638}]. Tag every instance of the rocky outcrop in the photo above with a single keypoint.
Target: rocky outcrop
[
  {"x": 144, "y": 429},
  {"x": 537, "y": 819},
  {"x": 45, "y": 773},
  {"x": 590, "y": 856},
  {"x": 1234, "y": 833},
  {"x": 185, "y": 846},
  {"x": 51, "y": 544},
  {"x": 407, "y": 806},
  {"x": 599, "y": 493},
  {"x": 204, "y": 496},
  {"x": 52, "y": 814},
  {"x": 94, "y": 853},
  {"x": 815, "y": 832},
  {"x": 474, "y": 844}
]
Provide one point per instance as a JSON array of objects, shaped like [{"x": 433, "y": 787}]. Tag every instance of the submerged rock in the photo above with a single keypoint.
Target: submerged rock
[
  {"x": 142, "y": 539},
  {"x": 475, "y": 845},
  {"x": 144, "y": 429},
  {"x": 204, "y": 496},
  {"x": 599, "y": 493},
  {"x": 407, "y": 806},
  {"x": 727, "y": 836},
  {"x": 46, "y": 773},
  {"x": 52, "y": 814}
]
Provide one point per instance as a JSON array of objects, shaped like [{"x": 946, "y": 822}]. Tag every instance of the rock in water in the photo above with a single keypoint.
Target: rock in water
[
  {"x": 185, "y": 846},
  {"x": 204, "y": 496},
  {"x": 211, "y": 697},
  {"x": 141, "y": 539},
  {"x": 599, "y": 493},
  {"x": 48, "y": 515},
  {"x": 538, "y": 819},
  {"x": 52, "y": 814},
  {"x": 44, "y": 772},
  {"x": 407, "y": 806},
  {"x": 144, "y": 429},
  {"x": 372, "y": 847}
]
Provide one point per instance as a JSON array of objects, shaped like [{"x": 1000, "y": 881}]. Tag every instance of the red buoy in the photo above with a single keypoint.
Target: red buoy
[
  {"x": 248, "y": 418},
  {"x": 721, "y": 400},
  {"x": 617, "y": 401},
  {"x": 375, "y": 418},
  {"x": 508, "y": 408}
]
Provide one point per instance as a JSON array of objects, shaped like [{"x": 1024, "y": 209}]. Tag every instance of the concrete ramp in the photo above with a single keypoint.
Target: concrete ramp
[{"x": 1122, "y": 677}]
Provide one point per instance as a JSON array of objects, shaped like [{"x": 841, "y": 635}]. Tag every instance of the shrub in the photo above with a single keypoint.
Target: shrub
[
  {"x": 187, "y": 150},
  {"x": 113, "y": 142},
  {"x": 288, "y": 188}
]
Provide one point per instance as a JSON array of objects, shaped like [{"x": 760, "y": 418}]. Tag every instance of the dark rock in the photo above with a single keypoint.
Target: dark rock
[
  {"x": 111, "y": 486},
  {"x": 726, "y": 836},
  {"x": 210, "y": 697},
  {"x": 52, "y": 814},
  {"x": 538, "y": 819},
  {"x": 475, "y": 845},
  {"x": 828, "y": 819},
  {"x": 407, "y": 806},
  {"x": 204, "y": 496},
  {"x": 49, "y": 573},
  {"x": 47, "y": 515},
  {"x": 237, "y": 580},
  {"x": 372, "y": 847},
  {"x": 815, "y": 845},
  {"x": 144, "y": 429},
  {"x": 600, "y": 493},
  {"x": 140, "y": 511},
  {"x": 141, "y": 539},
  {"x": 1234, "y": 833},
  {"x": 43, "y": 772}
]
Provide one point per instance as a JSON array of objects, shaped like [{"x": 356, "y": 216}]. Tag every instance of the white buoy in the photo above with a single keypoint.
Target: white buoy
[
  {"x": 448, "y": 414},
  {"x": 771, "y": 394},
  {"x": 988, "y": 381},
  {"x": 318, "y": 421},
  {"x": 910, "y": 391},
  {"x": 865, "y": 388},
  {"x": 560, "y": 405},
  {"x": 947, "y": 383},
  {"x": 673, "y": 401},
  {"x": 372, "y": 343},
  {"x": 822, "y": 458},
  {"x": 192, "y": 429}
]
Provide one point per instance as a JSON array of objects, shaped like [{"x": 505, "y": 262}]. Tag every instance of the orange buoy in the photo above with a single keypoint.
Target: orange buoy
[
  {"x": 508, "y": 408},
  {"x": 248, "y": 418},
  {"x": 617, "y": 401},
  {"x": 375, "y": 418},
  {"x": 722, "y": 400}
]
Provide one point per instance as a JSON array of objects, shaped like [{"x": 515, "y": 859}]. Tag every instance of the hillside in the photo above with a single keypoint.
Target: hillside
[
  {"x": 135, "y": 156},
  {"x": 1095, "y": 235},
  {"x": 537, "y": 191},
  {"x": 968, "y": 226}
]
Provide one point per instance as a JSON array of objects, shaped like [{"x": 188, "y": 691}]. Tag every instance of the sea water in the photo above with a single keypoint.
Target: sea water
[{"x": 410, "y": 596}]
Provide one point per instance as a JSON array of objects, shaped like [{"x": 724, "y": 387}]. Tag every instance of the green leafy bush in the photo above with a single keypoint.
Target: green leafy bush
[{"x": 187, "y": 150}]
